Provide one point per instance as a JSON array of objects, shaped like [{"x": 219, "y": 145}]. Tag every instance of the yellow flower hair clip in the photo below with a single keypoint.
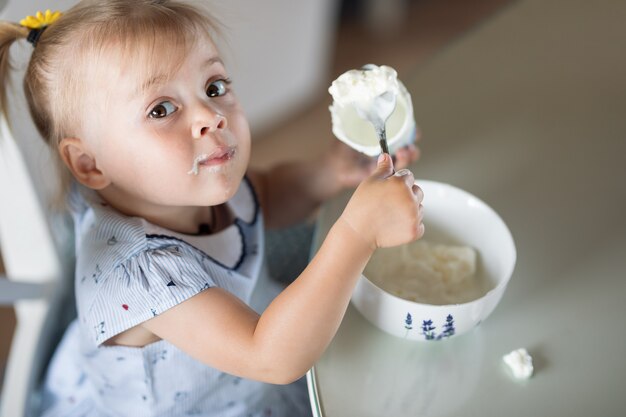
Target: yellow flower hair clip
[
  {"x": 38, "y": 23},
  {"x": 40, "y": 20}
]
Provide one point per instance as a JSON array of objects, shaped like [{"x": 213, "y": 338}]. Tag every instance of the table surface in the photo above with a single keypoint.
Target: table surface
[{"x": 528, "y": 112}]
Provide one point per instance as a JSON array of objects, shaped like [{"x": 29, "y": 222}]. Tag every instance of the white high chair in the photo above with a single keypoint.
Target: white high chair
[
  {"x": 39, "y": 272},
  {"x": 38, "y": 277}
]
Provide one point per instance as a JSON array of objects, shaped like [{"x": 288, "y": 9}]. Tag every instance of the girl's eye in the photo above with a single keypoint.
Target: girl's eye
[
  {"x": 162, "y": 110},
  {"x": 217, "y": 88}
]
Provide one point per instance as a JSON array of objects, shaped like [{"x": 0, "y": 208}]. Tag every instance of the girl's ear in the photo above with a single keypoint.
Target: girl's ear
[{"x": 82, "y": 164}]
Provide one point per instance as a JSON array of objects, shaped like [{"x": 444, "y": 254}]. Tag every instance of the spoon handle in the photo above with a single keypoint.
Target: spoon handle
[
  {"x": 382, "y": 135},
  {"x": 382, "y": 138}
]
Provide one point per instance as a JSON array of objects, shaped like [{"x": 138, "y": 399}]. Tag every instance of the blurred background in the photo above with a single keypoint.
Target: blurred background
[
  {"x": 283, "y": 55},
  {"x": 403, "y": 34}
]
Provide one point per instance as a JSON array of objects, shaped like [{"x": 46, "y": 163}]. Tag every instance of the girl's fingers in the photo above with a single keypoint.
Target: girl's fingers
[
  {"x": 405, "y": 155},
  {"x": 406, "y": 175},
  {"x": 419, "y": 194}
]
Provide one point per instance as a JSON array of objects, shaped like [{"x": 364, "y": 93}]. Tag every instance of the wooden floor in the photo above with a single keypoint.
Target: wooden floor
[{"x": 429, "y": 26}]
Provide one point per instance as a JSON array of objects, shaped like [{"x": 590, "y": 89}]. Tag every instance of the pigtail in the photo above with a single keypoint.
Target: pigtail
[{"x": 9, "y": 33}]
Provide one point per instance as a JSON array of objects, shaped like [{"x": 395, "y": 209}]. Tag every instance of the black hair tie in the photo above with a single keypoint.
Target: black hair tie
[{"x": 34, "y": 35}]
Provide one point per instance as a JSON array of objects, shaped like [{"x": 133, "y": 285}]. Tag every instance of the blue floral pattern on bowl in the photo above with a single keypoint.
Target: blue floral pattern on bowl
[{"x": 428, "y": 328}]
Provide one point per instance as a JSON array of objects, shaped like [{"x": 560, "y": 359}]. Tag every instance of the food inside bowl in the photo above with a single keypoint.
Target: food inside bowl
[{"x": 429, "y": 273}]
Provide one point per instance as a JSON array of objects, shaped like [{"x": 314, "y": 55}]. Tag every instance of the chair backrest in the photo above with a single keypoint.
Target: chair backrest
[
  {"x": 36, "y": 246},
  {"x": 39, "y": 276}
]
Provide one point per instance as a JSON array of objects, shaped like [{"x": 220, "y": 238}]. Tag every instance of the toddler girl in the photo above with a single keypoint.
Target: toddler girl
[{"x": 136, "y": 100}]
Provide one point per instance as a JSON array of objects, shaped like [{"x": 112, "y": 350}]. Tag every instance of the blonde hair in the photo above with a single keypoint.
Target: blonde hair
[{"x": 144, "y": 34}]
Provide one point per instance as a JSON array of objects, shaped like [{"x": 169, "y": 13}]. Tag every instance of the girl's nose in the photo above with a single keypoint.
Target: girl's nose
[{"x": 207, "y": 120}]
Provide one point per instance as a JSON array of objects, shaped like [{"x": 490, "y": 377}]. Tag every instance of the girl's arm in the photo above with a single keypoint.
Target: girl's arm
[
  {"x": 285, "y": 341},
  {"x": 290, "y": 192},
  {"x": 279, "y": 346}
]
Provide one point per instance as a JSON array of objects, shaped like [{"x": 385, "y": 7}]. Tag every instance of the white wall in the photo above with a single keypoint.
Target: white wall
[{"x": 279, "y": 53}]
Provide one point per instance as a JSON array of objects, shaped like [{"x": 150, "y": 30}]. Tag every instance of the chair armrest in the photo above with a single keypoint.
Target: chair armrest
[{"x": 12, "y": 291}]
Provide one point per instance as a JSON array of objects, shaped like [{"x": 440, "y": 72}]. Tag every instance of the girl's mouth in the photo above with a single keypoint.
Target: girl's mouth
[{"x": 215, "y": 161}]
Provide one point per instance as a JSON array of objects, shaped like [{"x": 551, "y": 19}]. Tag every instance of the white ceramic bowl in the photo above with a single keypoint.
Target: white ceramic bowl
[{"x": 451, "y": 216}]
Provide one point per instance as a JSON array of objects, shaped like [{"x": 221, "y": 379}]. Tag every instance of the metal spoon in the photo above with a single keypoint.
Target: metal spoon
[{"x": 385, "y": 104}]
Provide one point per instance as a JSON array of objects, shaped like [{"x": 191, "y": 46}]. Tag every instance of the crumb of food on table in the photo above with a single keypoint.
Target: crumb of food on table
[{"x": 520, "y": 363}]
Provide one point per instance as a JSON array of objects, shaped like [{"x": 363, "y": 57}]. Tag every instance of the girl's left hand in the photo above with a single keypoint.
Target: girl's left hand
[{"x": 351, "y": 167}]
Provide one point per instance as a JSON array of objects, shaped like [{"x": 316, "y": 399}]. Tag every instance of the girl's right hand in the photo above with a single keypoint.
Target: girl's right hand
[{"x": 386, "y": 208}]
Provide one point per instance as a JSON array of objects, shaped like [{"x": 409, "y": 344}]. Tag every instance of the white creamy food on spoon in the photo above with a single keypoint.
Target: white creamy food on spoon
[
  {"x": 370, "y": 94},
  {"x": 361, "y": 87}
]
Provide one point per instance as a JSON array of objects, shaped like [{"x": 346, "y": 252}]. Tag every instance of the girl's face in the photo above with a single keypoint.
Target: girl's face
[{"x": 162, "y": 141}]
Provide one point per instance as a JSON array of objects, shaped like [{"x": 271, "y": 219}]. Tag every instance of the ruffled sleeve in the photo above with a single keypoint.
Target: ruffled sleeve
[{"x": 142, "y": 287}]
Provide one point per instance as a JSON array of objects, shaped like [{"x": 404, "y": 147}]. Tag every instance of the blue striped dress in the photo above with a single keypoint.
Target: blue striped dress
[{"x": 129, "y": 271}]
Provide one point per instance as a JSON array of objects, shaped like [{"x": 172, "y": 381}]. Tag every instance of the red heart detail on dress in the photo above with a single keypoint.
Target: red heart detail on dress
[{"x": 125, "y": 306}]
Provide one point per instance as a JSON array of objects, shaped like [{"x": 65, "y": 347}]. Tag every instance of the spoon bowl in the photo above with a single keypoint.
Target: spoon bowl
[{"x": 378, "y": 112}]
